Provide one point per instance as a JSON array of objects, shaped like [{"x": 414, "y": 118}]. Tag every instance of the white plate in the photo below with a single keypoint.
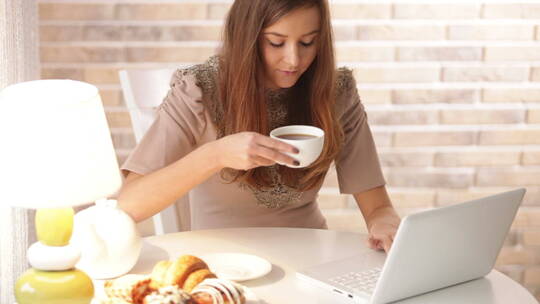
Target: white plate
[{"x": 237, "y": 266}]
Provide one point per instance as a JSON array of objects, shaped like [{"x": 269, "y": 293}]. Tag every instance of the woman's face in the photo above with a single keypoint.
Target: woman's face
[{"x": 289, "y": 46}]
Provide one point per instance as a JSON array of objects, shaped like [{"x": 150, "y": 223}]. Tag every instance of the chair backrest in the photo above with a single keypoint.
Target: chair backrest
[{"x": 144, "y": 90}]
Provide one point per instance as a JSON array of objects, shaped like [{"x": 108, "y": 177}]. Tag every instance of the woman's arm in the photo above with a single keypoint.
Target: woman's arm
[
  {"x": 145, "y": 195},
  {"x": 381, "y": 219}
]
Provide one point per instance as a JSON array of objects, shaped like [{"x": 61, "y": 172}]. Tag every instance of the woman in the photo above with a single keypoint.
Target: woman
[{"x": 276, "y": 67}]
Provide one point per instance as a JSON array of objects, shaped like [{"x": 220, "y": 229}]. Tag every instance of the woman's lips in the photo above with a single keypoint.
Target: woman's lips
[{"x": 288, "y": 73}]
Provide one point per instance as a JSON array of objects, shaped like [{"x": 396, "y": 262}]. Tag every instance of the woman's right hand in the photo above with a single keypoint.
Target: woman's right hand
[{"x": 248, "y": 150}]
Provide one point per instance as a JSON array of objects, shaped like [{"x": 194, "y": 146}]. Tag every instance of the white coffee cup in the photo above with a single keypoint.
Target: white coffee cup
[{"x": 308, "y": 140}]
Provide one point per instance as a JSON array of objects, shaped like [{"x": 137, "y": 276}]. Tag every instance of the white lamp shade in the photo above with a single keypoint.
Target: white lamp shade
[{"x": 55, "y": 146}]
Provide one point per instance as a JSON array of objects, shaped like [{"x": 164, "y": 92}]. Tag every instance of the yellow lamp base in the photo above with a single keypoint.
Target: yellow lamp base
[
  {"x": 54, "y": 225},
  {"x": 54, "y": 287}
]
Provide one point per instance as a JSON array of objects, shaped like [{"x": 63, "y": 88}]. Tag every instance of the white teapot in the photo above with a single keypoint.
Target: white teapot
[{"x": 108, "y": 239}]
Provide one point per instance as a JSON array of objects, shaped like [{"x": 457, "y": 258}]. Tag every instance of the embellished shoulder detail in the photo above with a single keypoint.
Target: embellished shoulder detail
[
  {"x": 206, "y": 78},
  {"x": 205, "y": 73},
  {"x": 344, "y": 81},
  {"x": 346, "y": 92}
]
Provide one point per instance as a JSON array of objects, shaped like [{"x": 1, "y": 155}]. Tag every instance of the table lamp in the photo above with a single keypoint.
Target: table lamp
[{"x": 56, "y": 153}]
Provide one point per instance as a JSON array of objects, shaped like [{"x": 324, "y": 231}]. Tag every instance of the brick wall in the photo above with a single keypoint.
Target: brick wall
[{"x": 452, "y": 92}]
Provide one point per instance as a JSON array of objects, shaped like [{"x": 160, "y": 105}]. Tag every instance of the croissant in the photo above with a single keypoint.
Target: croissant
[
  {"x": 186, "y": 272},
  {"x": 196, "y": 277}
]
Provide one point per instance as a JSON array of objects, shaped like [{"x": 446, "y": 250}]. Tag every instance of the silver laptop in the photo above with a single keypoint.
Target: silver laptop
[{"x": 432, "y": 249}]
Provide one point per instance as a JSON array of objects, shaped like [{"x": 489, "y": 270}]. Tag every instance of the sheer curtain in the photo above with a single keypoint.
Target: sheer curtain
[{"x": 19, "y": 61}]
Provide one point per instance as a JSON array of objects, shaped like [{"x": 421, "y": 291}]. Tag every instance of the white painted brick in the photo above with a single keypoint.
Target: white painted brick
[
  {"x": 76, "y": 11},
  {"x": 509, "y": 137},
  {"x": 532, "y": 197},
  {"x": 406, "y": 96},
  {"x": 433, "y": 138},
  {"x": 398, "y": 74},
  {"x": 531, "y": 238},
  {"x": 411, "y": 198},
  {"x": 467, "y": 74},
  {"x": 516, "y": 255},
  {"x": 363, "y": 53},
  {"x": 402, "y": 117},
  {"x": 532, "y": 276},
  {"x": 418, "y": 177},
  {"x": 482, "y": 116},
  {"x": 382, "y": 139},
  {"x": 123, "y": 140},
  {"x": 361, "y": 11},
  {"x": 518, "y": 177},
  {"x": 380, "y": 96},
  {"x": 168, "y": 54},
  {"x": 527, "y": 217},
  {"x": 531, "y": 157},
  {"x": 476, "y": 158},
  {"x": 60, "y": 33},
  {"x": 163, "y": 11},
  {"x": 406, "y": 158},
  {"x": 533, "y": 116},
  {"x": 62, "y": 73},
  {"x": 76, "y": 54},
  {"x": 491, "y": 32},
  {"x": 535, "y": 75},
  {"x": 401, "y": 32},
  {"x": 112, "y": 98},
  {"x": 511, "y": 11},
  {"x": 344, "y": 32},
  {"x": 516, "y": 53},
  {"x": 332, "y": 201},
  {"x": 446, "y": 53},
  {"x": 436, "y": 11},
  {"x": 527, "y": 95},
  {"x": 218, "y": 10},
  {"x": 455, "y": 196}
]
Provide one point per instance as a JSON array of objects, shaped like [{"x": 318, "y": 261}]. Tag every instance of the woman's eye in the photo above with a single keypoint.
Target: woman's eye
[{"x": 276, "y": 45}]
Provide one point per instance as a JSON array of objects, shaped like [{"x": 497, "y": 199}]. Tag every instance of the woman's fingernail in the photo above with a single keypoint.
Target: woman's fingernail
[
  {"x": 296, "y": 163},
  {"x": 296, "y": 150}
]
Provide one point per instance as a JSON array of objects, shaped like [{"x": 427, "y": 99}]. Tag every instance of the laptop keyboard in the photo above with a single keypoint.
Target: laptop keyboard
[{"x": 363, "y": 281}]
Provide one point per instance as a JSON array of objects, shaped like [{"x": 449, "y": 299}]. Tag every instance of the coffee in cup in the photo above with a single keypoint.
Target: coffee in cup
[
  {"x": 296, "y": 136},
  {"x": 309, "y": 140}
]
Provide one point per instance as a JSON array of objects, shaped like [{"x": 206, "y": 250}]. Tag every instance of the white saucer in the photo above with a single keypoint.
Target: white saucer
[{"x": 237, "y": 266}]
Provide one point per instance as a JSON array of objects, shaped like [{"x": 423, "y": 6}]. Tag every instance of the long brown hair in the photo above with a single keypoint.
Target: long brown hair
[{"x": 241, "y": 83}]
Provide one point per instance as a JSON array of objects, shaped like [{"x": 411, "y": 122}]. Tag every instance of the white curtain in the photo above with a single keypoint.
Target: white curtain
[{"x": 19, "y": 61}]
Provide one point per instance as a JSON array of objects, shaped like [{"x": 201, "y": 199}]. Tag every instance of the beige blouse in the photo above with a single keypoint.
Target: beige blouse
[{"x": 190, "y": 116}]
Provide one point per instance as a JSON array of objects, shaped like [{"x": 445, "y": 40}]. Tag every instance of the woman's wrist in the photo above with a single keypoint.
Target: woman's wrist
[
  {"x": 387, "y": 213},
  {"x": 211, "y": 153}
]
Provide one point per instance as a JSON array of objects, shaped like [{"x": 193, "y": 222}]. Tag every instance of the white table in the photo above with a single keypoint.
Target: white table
[{"x": 291, "y": 249}]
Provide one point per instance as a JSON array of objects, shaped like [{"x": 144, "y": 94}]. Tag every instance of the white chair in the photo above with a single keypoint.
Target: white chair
[{"x": 144, "y": 90}]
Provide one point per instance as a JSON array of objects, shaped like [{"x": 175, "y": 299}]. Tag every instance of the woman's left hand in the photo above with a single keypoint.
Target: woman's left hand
[{"x": 382, "y": 225}]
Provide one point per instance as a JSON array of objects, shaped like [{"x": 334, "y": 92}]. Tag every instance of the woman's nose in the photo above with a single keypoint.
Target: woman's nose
[{"x": 292, "y": 57}]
